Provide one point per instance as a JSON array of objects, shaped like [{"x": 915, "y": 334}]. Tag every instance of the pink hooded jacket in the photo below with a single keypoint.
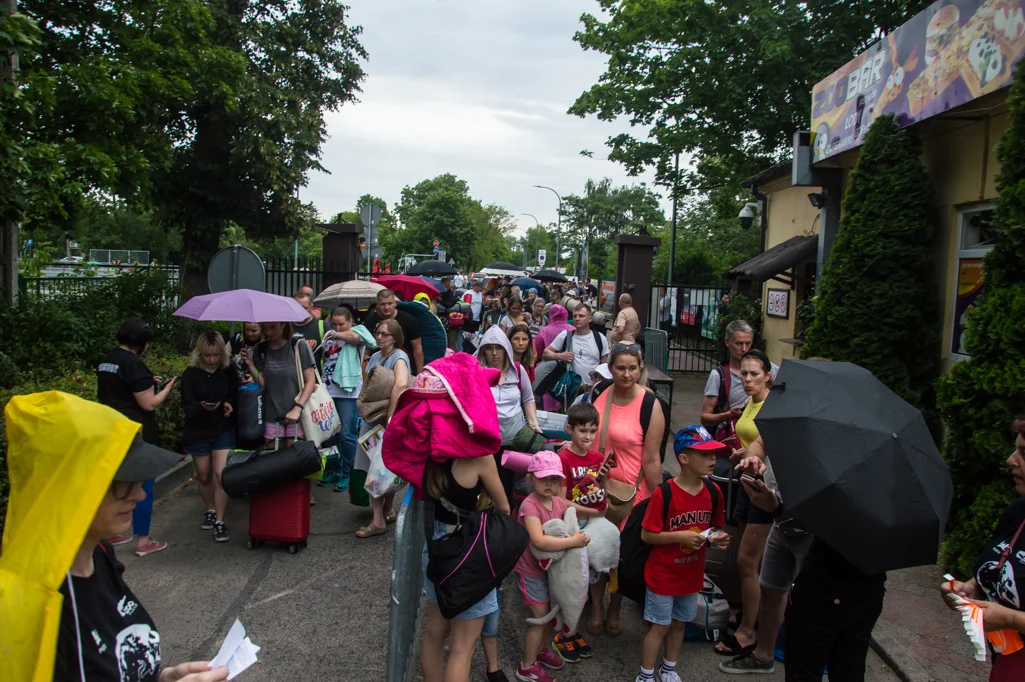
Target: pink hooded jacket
[
  {"x": 447, "y": 413},
  {"x": 557, "y": 324}
]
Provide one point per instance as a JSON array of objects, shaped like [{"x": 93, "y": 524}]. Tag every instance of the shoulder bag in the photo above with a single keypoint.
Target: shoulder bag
[
  {"x": 620, "y": 493},
  {"x": 319, "y": 417}
]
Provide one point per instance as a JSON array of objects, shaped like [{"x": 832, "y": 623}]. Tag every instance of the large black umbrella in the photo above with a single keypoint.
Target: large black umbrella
[
  {"x": 432, "y": 268},
  {"x": 549, "y": 276},
  {"x": 856, "y": 465},
  {"x": 502, "y": 265}
]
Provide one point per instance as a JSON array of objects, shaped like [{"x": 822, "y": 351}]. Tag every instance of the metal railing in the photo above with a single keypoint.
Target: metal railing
[{"x": 407, "y": 588}]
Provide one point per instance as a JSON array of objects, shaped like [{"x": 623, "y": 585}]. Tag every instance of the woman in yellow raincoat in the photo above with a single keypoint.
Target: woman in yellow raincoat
[{"x": 76, "y": 473}]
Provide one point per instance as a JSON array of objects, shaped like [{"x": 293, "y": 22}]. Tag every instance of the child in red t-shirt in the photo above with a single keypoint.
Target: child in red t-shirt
[
  {"x": 583, "y": 469},
  {"x": 675, "y": 569}
]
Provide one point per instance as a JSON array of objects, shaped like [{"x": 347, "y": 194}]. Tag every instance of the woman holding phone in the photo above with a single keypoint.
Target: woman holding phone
[{"x": 209, "y": 387}]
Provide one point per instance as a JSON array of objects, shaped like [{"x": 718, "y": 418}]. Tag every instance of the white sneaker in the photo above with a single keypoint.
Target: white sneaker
[{"x": 667, "y": 676}]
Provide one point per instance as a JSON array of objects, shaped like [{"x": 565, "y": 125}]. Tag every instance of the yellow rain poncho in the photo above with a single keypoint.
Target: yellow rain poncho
[{"x": 63, "y": 452}]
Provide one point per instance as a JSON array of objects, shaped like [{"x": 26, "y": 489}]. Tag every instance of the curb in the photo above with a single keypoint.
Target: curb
[
  {"x": 173, "y": 478},
  {"x": 895, "y": 655}
]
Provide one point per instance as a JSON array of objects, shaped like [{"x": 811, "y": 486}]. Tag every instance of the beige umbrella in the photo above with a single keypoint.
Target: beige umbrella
[{"x": 357, "y": 293}]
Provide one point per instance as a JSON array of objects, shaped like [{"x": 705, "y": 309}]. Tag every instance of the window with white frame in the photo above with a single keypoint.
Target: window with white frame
[{"x": 974, "y": 240}]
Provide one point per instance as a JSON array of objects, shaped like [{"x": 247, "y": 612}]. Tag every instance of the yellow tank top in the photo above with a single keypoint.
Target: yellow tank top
[{"x": 746, "y": 429}]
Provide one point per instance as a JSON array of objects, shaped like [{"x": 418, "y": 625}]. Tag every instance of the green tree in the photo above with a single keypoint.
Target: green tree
[
  {"x": 878, "y": 305},
  {"x": 729, "y": 79},
  {"x": 248, "y": 143},
  {"x": 978, "y": 399}
]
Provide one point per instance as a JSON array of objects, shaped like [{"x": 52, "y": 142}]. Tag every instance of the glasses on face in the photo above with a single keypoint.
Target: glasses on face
[
  {"x": 383, "y": 335},
  {"x": 122, "y": 489}
]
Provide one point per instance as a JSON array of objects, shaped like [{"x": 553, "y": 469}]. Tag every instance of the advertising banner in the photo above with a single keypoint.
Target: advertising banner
[
  {"x": 607, "y": 297},
  {"x": 969, "y": 287},
  {"x": 951, "y": 53}
]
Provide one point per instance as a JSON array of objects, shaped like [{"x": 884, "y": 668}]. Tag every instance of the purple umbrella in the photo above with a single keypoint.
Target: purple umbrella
[{"x": 243, "y": 305}]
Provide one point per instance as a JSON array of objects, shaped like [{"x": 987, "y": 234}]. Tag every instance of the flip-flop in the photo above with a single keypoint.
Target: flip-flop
[
  {"x": 370, "y": 531},
  {"x": 735, "y": 649},
  {"x": 594, "y": 627},
  {"x": 613, "y": 628},
  {"x": 390, "y": 517}
]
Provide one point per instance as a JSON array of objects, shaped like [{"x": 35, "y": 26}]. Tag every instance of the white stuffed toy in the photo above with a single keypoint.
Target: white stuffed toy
[
  {"x": 603, "y": 550},
  {"x": 567, "y": 576}
]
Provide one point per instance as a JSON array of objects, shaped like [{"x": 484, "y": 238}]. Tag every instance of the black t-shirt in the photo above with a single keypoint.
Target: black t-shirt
[
  {"x": 410, "y": 332},
  {"x": 237, "y": 344},
  {"x": 197, "y": 386},
  {"x": 120, "y": 375},
  {"x": 1002, "y": 586},
  {"x": 310, "y": 330},
  {"x": 120, "y": 642}
]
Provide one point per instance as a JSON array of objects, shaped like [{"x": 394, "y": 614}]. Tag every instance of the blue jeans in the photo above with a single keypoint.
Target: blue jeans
[
  {"x": 143, "y": 512},
  {"x": 345, "y": 439}
]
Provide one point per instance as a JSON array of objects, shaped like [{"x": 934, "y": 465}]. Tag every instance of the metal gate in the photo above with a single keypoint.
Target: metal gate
[
  {"x": 407, "y": 588},
  {"x": 689, "y": 314}
]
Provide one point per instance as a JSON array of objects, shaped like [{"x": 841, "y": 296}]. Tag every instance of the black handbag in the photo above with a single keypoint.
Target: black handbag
[
  {"x": 472, "y": 560},
  {"x": 266, "y": 470}
]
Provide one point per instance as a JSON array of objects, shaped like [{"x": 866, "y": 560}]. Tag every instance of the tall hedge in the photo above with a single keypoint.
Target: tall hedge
[
  {"x": 978, "y": 399},
  {"x": 878, "y": 306}
]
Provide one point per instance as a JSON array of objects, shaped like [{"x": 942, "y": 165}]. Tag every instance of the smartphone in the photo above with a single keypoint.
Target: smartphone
[
  {"x": 164, "y": 383},
  {"x": 751, "y": 478},
  {"x": 210, "y": 404},
  {"x": 611, "y": 459}
]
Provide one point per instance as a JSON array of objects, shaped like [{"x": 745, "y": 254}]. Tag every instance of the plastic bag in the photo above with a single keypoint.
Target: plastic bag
[{"x": 380, "y": 480}]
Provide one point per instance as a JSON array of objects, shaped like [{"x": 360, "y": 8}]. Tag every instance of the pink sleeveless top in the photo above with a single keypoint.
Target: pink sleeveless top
[{"x": 626, "y": 439}]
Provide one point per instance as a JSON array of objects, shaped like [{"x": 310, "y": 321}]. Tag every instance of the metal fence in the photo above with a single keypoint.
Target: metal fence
[
  {"x": 689, "y": 314},
  {"x": 407, "y": 588}
]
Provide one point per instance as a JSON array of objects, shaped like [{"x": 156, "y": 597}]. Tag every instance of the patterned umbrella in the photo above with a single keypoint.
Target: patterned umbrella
[{"x": 357, "y": 293}]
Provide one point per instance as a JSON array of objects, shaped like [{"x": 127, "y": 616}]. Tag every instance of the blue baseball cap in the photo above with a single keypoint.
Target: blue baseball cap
[{"x": 695, "y": 437}]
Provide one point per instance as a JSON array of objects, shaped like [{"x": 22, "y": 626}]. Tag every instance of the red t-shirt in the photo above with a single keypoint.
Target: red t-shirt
[
  {"x": 672, "y": 570},
  {"x": 581, "y": 473}
]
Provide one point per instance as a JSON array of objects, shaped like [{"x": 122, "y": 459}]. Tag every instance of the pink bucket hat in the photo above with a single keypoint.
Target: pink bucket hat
[{"x": 545, "y": 464}]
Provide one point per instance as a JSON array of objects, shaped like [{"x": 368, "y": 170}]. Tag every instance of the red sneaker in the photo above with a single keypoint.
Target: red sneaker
[
  {"x": 534, "y": 673},
  {"x": 551, "y": 659},
  {"x": 121, "y": 540},
  {"x": 150, "y": 547}
]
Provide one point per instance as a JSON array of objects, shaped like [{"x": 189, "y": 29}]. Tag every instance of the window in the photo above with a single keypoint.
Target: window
[{"x": 975, "y": 239}]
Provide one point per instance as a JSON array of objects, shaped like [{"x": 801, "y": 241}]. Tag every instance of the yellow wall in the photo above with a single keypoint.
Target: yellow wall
[{"x": 790, "y": 214}]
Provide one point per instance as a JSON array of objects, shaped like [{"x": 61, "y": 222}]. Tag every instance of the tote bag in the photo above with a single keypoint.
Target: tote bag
[{"x": 319, "y": 418}]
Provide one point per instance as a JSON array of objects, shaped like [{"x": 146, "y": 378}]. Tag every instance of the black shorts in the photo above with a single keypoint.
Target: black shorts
[{"x": 745, "y": 512}]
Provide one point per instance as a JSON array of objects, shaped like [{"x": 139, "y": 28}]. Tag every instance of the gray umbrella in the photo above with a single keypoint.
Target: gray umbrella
[{"x": 856, "y": 465}]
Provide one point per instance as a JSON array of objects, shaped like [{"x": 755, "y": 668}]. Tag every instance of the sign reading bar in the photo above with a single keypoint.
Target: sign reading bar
[{"x": 949, "y": 54}]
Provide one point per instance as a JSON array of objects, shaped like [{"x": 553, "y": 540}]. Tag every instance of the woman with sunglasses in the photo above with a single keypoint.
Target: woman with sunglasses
[
  {"x": 391, "y": 356},
  {"x": 637, "y": 457},
  {"x": 102, "y": 632},
  {"x": 124, "y": 382}
]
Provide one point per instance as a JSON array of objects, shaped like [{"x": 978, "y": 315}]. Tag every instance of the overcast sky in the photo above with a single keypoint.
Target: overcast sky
[{"x": 478, "y": 88}]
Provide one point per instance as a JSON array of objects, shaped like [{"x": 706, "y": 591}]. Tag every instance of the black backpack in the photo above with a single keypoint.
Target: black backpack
[
  {"x": 472, "y": 560},
  {"x": 633, "y": 551},
  {"x": 646, "y": 409}
]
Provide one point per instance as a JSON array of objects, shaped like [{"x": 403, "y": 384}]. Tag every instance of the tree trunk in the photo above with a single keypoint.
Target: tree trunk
[{"x": 199, "y": 244}]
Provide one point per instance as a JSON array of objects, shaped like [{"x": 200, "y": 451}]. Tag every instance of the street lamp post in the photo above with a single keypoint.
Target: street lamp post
[
  {"x": 558, "y": 229},
  {"x": 537, "y": 234},
  {"x": 672, "y": 235}
]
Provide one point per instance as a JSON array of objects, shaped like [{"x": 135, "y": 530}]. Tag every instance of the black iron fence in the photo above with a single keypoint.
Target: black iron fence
[{"x": 689, "y": 314}]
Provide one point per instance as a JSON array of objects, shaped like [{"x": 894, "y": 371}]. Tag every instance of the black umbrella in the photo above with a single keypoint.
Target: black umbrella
[
  {"x": 504, "y": 266},
  {"x": 433, "y": 268},
  {"x": 549, "y": 276},
  {"x": 856, "y": 465}
]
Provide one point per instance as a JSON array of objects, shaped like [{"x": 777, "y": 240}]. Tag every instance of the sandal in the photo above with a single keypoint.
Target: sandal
[
  {"x": 594, "y": 626},
  {"x": 370, "y": 531},
  {"x": 613, "y": 627},
  {"x": 733, "y": 646},
  {"x": 390, "y": 517}
]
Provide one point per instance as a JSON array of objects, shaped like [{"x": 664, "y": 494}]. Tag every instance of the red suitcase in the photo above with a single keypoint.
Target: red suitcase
[{"x": 281, "y": 515}]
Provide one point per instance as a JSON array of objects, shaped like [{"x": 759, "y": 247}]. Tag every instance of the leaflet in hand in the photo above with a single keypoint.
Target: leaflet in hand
[
  {"x": 237, "y": 653},
  {"x": 971, "y": 618}
]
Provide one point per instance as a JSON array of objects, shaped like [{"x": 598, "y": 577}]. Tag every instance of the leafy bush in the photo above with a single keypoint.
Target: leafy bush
[
  {"x": 979, "y": 398},
  {"x": 878, "y": 305}
]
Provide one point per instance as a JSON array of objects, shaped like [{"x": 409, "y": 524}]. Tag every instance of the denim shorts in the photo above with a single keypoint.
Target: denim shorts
[
  {"x": 783, "y": 557},
  {"x": 223, "y": 441},
  {"x": 489, "y": 604},
  {"x": 661, "y": 610},
  {"x": 534, "y": 590},
  {"x": 491, "y": 620}
]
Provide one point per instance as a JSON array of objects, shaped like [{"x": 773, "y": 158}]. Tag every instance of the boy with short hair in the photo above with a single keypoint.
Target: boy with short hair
[
  {"x": 583, "y": 467},
  {"x": 675, "y": 569}
]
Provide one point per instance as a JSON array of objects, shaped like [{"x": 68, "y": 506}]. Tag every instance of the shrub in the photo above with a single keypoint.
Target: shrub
[
  {"x": 979, "y": 398},
  {"x": 878, "y": 305}
]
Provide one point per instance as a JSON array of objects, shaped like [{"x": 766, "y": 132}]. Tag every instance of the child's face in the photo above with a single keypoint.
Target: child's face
[
  {"x": 700, "y": 462},
  {"x": 583, "y": 436},
  {"x": 548, "y": 486}
]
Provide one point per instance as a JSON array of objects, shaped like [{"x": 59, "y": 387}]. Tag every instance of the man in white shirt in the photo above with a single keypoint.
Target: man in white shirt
[
  {"x": 589, "y": 348},
  {"x": 476, "y": 301}
]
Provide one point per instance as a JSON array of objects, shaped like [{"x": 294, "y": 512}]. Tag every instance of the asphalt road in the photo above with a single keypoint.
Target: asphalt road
[{"x": 323, "y": 614}]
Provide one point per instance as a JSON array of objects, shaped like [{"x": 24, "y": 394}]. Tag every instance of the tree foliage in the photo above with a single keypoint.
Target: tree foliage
[
  {"x": 878, "y": 305},
  {"x": 979, "y": 398},
  {"x": 729, "y": 79}
]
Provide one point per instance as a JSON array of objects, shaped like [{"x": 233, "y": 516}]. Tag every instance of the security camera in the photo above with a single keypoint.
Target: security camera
[
  {"x": 747, "y": 215},
  {"x": 817, "y": 199}
]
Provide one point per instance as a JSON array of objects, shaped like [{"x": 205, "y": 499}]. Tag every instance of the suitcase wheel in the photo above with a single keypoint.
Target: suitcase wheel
[
  {"x": 293, "y": 549},
  {"x": 251, "y": 543},
  {"x": 302, "y": 544}
]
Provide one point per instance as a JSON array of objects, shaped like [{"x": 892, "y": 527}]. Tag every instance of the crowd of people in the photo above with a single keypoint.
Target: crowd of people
[{"x": 609, "y": 462}]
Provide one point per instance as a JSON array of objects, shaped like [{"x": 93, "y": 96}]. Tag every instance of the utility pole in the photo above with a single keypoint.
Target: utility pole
[
  {"x": 537, "y": 234},
  {"x": 672, "y": 233},
  {"x": 558, "y": 229},
  {"x": 9, "y": 228}
]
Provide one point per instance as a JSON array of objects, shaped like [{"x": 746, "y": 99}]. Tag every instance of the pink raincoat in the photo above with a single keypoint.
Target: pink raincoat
[
  {"x": 447, "y": 413},
  {"x": 557, "y": 324}
]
